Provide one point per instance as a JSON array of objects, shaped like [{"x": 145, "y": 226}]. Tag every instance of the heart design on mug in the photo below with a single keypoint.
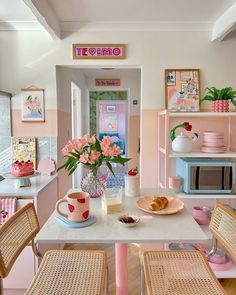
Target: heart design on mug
[
  {"x": 71, "y": 208},
  {"x": 86, "y": 214},
  {"x": 92, "y": 51},
  {"x": 82, "y": 201}
]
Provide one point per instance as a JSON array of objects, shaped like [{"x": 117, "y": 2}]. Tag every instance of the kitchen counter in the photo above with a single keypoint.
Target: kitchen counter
[{"x": 38, "y": 184}]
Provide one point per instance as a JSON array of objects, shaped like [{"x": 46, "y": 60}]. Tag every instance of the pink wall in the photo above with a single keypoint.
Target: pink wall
[
  {"x": 64, "y": 134},
  {"x": 134, "y": 135},
  {"x": 47, "y": 128},
  {"x": 149, "y": 146}
]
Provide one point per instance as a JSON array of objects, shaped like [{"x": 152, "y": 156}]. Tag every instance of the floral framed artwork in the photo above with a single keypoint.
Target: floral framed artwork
[
  {"x": 182, "y": 90},
  {"x": 32, "y": 105}
]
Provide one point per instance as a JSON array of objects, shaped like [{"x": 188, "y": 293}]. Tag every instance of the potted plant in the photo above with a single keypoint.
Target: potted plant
[{"x": 220, "y": 98}]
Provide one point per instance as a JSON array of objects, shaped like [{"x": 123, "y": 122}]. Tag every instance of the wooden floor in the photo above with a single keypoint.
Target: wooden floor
[{"x": 134, "y": 268}]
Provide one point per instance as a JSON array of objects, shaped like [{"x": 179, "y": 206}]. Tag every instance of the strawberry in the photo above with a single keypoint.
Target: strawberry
[
  {"x": 133, "y": 172},
  {"x": 71, "y": 208}
]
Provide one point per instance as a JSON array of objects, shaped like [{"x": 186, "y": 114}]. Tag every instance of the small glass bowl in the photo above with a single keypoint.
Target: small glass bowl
[{"x": 126, "y": 221}]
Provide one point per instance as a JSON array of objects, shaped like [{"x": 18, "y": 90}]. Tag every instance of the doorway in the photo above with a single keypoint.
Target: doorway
[
  {"x": 74, "y": 86},
  {"x": 112, "y": 121},
  {"x": 76, "y": 120}
]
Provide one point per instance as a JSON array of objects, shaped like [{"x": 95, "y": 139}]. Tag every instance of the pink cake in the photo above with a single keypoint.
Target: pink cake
[{"x": 22, "y": 168}]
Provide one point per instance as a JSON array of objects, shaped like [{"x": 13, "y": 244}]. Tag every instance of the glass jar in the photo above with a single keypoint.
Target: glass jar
[{"x": 112, "y": 200}]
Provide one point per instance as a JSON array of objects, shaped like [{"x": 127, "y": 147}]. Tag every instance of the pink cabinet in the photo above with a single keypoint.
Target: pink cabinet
[{"x": 44, "y": 197}]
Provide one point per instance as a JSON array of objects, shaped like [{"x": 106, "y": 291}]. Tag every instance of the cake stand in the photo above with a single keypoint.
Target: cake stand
[{"x": 20, "y": 181}]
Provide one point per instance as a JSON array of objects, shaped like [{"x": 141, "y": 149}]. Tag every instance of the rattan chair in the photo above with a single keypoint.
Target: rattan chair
[
  {"x": 188, "y": 272},
  {"x": 62, "y": 272}
]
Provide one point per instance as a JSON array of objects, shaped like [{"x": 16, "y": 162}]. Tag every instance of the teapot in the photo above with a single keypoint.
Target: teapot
[{"x": 183, "y": 144}]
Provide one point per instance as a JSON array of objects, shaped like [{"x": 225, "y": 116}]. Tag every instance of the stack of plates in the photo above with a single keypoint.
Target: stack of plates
[{"x": 213, "y": 142}]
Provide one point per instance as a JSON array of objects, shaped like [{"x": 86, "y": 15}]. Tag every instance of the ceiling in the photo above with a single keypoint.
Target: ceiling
[
  {"x": 15, "y": 10},
  {"x": 139, "y": 10},
  {"x": 58, "y": 16}
]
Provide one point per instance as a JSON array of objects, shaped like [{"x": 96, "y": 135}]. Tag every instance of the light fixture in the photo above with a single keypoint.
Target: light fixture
[{"x": 107, "y": 69}]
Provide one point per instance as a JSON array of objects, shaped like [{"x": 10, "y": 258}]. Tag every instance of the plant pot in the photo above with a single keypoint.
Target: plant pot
[{"x": 220, "y": 106}]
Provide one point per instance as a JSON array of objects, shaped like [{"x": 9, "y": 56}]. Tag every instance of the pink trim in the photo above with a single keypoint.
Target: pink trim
[{"x": 121, "y": 257}]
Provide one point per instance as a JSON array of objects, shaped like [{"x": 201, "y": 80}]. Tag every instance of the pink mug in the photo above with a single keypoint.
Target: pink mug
[
  {"x": 175, "y": 183},
  {"x": 201, "y": 214},
  {"x": 77, "y": 206}
]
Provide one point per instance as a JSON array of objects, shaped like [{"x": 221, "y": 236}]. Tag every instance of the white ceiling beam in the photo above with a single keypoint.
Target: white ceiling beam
[
  {"x": 225, "y": 24},
  {"x": 45, "y": 16}
]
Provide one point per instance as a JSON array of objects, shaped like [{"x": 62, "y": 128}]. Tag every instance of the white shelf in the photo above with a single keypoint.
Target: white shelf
[
  {"x": 202, "y": 114},
  {"x": 198, "y": 154},
  {"x": 205, "y": 196}
]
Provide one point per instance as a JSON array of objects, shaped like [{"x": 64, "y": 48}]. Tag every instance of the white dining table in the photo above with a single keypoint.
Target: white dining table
[{"x": 179, "y": 227}]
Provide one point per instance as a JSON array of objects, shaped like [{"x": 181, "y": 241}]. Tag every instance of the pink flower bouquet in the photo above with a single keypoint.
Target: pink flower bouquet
[{"x": 92, "y": 153}]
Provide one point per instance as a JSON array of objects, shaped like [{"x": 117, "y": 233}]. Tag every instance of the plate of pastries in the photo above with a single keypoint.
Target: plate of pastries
[{"x": 161, "y": 205}]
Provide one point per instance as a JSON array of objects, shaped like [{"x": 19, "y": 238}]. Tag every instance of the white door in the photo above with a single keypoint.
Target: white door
[{"x": 76, "y": 127}]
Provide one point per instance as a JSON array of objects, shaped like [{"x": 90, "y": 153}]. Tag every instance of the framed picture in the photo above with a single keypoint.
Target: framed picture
[
  {"x": 24, "y": 149},
  {"x": 99, "y": 51},
  {"x": 110, "y": 123},
  {"x": 182, "y": 90},
  {"x": 111, "y": 109},
  {"x": 32, "y": 105}
]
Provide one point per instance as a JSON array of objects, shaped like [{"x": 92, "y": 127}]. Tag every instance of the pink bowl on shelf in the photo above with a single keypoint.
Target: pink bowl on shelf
[
  {"x": 221, "y": 266},
  {"x": 213, "y": 144},
  {"x": 213, "y": 134},
  {"x": 218, "y": 258},
  {"x": 213, "y": 138},
  {"x": 219, "y": 150}
]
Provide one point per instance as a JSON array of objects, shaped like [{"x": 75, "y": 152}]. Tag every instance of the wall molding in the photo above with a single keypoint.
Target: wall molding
[
  {"x": 71, "y": 26},
  {"x": 20, "y": 26}
]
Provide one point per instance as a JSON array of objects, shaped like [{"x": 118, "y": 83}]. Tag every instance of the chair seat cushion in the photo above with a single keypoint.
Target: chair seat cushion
[{"x": 69, "y": 272}]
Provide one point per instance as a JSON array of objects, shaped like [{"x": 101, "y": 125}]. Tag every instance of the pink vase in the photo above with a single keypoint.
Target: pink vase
[{"x": 220, "y": 106}]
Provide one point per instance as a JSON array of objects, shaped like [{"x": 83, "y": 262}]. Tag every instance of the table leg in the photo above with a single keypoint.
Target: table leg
[{"x": 121, "y": 253}]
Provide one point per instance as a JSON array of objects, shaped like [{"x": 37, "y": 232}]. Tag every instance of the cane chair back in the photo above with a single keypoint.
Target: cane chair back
[
  {"x": 15, "y": 234},
  {"x": 223, "y": 228}
]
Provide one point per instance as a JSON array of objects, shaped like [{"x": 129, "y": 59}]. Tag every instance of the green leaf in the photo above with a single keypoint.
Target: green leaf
[
  {"x": 73, "y": 169},
  {"x": 97, "y": 145},
  {"x": 76, "y": 155},
  {"x": 120, "y": 160},
  {"x": 61, "y": 167},
  {"x": 207, "y": 97},
  {"x": 110, "y": 167}
]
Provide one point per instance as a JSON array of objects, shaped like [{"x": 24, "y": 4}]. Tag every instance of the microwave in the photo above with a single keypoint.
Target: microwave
[{"x": 206, "y": 175}]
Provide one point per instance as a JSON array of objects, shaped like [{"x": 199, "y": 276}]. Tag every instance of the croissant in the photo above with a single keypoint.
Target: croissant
[
  {"x": 153, "y": 206},
  {"x": 158, "y": 203}
]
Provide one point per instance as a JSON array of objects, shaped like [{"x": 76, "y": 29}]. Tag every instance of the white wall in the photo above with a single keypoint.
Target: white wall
[
  {"x": 65, "y": 76},
  {"x": 29, "y": 58}
]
